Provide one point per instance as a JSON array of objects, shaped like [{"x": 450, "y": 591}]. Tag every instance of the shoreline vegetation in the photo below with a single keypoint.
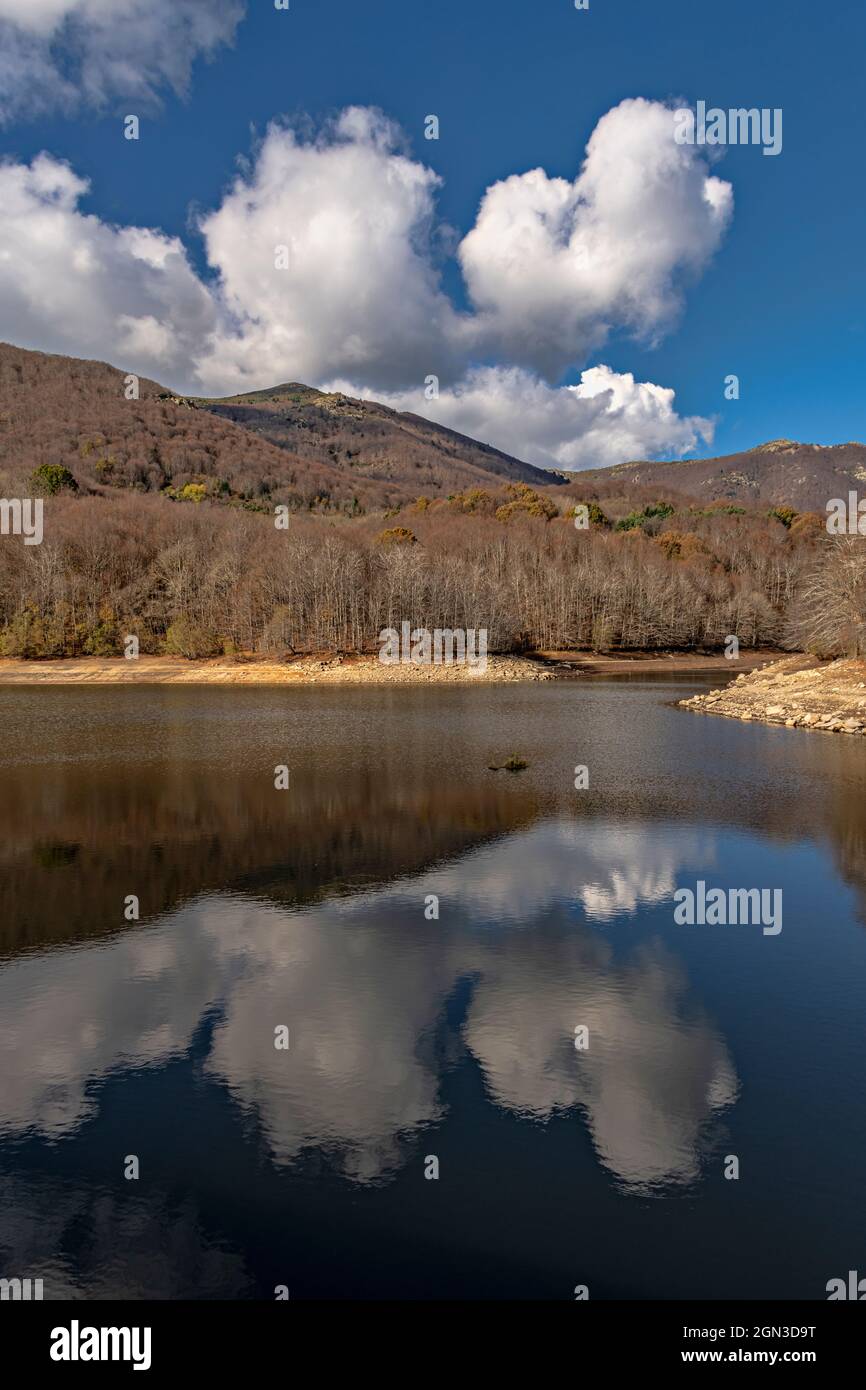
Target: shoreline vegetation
[
  {"x": 312, "y": 522},
  {"x": 196, "y": 578},
  {"x": 330, "y": 668}
]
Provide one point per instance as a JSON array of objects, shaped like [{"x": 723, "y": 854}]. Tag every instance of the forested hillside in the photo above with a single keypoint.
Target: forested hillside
[
  {"x": 804, "y": 476},
  {"x": 160, "y": 520},
  {"x": 200, "y": 578},
  {"x": 293, "y": 445}
]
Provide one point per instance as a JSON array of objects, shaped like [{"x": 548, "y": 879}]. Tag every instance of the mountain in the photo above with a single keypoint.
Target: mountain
[
  {"x": 803, "y": 476},
  {"x": 372, "y": 441},
  {"x": 291, "y": 444},
  {"x": 328, "y": 452}
]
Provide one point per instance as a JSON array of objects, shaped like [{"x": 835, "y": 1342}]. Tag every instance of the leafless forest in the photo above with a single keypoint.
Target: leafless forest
[
  {"x": 201, "y": 579},
  {"x": 160, "y": 521}
]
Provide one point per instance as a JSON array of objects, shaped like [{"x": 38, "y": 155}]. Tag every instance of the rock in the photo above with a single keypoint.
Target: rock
[{"x": 831, "y": 694}]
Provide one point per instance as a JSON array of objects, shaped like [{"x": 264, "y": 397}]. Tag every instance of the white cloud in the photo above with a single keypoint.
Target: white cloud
[
  {"x": 551, "y": 268},
  {"x": 59, "y": 53},
  {"x": 71, "y": 283},
  {"x": 359, "y": 295},
  {"x": 607, "y": 419}
]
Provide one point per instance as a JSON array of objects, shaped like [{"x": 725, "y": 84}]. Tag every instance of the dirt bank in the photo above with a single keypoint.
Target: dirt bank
[
  {"x": 169, "y": 670},
  {"x": 362, "y": 670},
  {"x": 657, "y": 663},
  {"x": 799, "y": 692}
]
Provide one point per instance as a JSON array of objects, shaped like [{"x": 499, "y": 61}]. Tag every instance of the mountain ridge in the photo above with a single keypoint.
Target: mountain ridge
[
  {"x": 780, "y": 472},
  {"x": 326, "y": 451},
  {"x": 289, "y": 444}
]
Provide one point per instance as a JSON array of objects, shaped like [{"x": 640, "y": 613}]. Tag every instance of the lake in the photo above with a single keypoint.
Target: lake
[{"x": 509, "y": 1071}]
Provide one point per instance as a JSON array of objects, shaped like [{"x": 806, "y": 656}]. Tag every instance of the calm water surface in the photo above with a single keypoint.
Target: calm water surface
[{"x": 412, "y": 1038}]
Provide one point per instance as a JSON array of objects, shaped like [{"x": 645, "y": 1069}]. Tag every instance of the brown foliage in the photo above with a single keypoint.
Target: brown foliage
[
  {"x": 168, "y": 533},
  {"x": 397, "y": 535},
  {"x": 209, "y": 577},
  {"x": 293, "y": 446}
]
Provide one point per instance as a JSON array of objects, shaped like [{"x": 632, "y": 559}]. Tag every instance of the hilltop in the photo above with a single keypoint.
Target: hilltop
[
  {"x": 780, "y": 473},
  {"x": 160, "y": 513},
  {"x": 371, "y": 441},
  {"x": 325, "y": 451},
  {"x": 291, "y": 444}
]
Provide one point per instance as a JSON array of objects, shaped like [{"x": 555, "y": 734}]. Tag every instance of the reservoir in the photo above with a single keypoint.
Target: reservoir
[{"x": 434, "y": 940}]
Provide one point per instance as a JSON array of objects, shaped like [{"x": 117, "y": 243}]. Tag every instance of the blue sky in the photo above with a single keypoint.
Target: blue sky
[{"x": 781, "y": 302}]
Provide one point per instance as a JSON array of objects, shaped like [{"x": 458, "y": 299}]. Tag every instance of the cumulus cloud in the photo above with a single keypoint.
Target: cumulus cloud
[
  {"x": 71, "y": 283},
  {"x": 552, "y": 266},
  {"x": 325, "y": 259},
  {"x": 607, "y": 418},
  {"x": 62, "y": 53}
]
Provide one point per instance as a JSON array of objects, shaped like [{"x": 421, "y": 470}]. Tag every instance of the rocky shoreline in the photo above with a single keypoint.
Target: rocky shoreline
[
  {"x": 325, "y": 670},
  {"x": 351, "y": 669},
  {"x": 798, "y": 692}
]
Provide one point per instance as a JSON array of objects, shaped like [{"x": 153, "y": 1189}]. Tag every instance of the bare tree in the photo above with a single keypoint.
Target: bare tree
[{"x": 829, "y": 616}]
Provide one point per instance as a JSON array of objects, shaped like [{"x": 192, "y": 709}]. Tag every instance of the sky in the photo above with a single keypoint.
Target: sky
[{"x": 555, "y": 274}]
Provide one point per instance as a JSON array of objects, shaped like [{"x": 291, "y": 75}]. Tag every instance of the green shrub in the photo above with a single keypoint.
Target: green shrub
[
  {"x": 524, "y": 500},
  {"x": 51, "y": 477},
  {"x": 30, "y": 637},
  {"x": 658, "y": 510},
  {"x": 192, "y": 492},
  {"x": 102, "y": 639},
  {"x": 191, "y": 640},
  {"x": 596, "y": 516}
]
